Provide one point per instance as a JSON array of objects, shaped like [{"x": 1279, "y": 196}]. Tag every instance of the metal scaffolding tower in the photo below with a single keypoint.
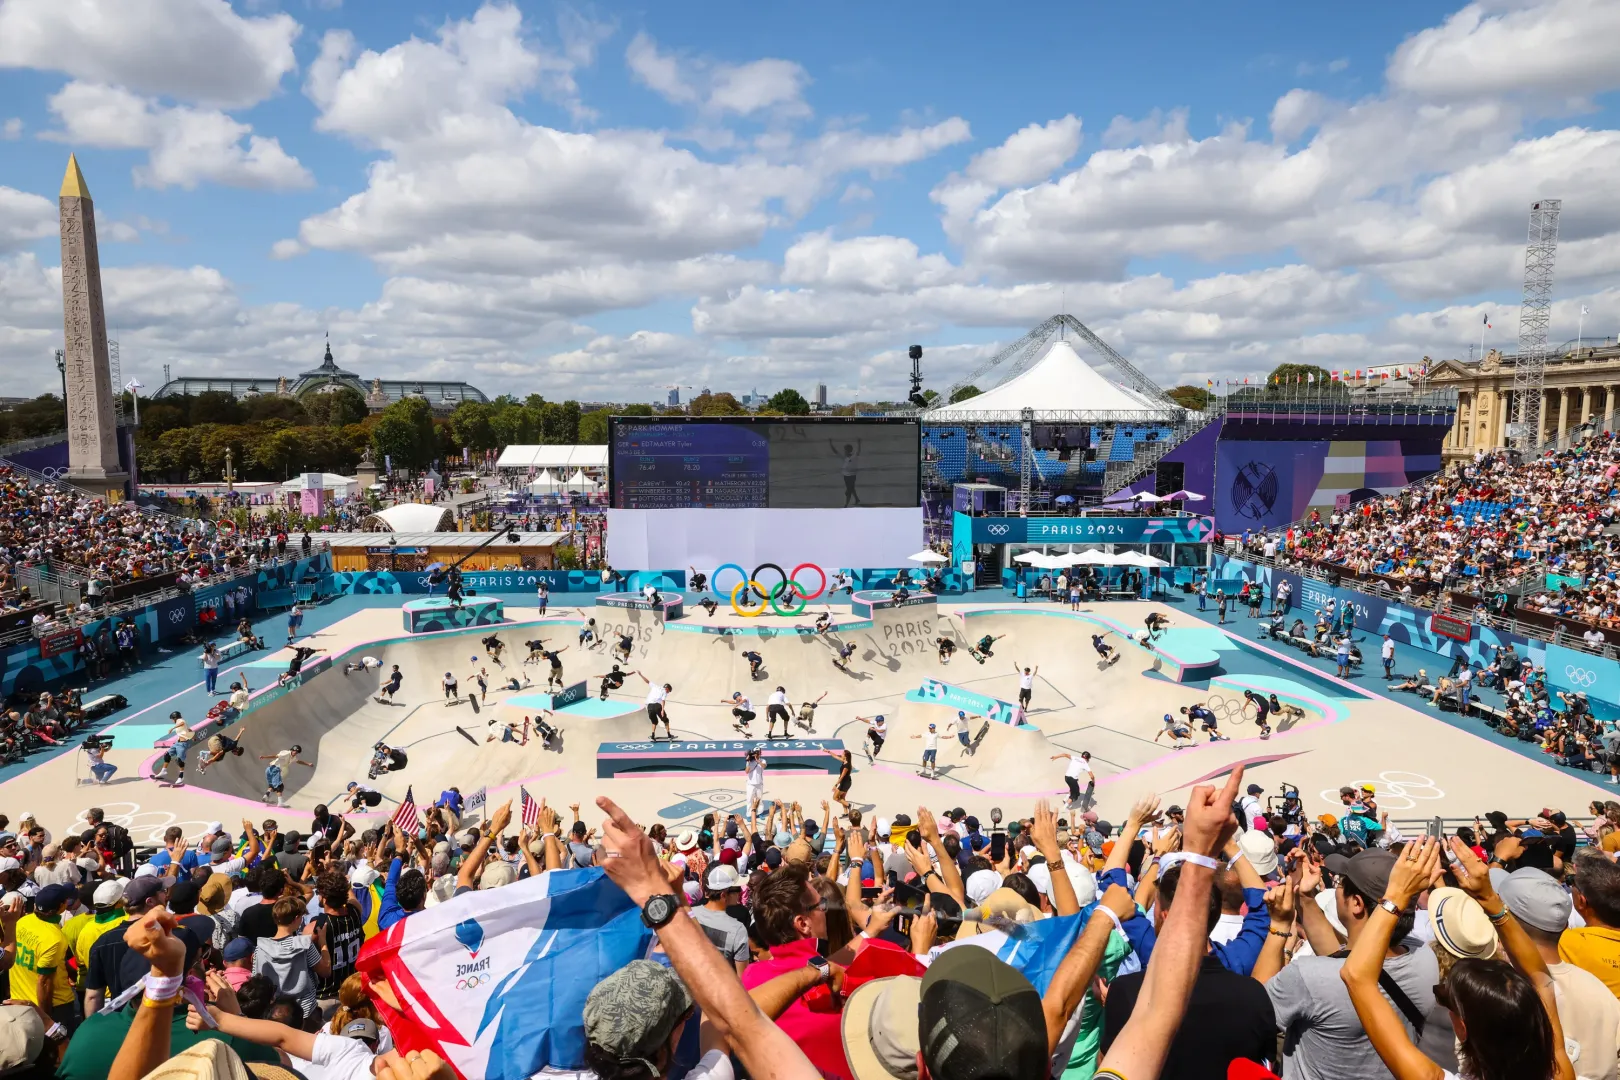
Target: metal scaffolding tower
[{"x": 1530, "y": 372}]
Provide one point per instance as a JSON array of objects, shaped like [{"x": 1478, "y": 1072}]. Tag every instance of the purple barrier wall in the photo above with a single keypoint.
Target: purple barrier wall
[{"x": 1262, "y": 483}]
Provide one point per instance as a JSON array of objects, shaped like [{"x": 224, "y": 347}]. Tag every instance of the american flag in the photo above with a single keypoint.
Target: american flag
[
  {"x": 531, "y": 809},
  {"x": 405, "y": 817},
  {"x": 475, "y": 801}
]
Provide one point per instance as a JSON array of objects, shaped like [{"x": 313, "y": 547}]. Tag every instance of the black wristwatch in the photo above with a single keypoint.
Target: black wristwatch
[
  {"x": 658, "y": 910},
  {"x": 823, "y": 968}
]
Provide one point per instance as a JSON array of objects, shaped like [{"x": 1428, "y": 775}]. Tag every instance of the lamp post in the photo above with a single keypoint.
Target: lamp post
[{"x": 61, "y": 369}]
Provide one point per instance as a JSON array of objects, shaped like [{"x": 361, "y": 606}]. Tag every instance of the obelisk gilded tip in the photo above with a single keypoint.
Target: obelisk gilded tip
[{"x": 73, "y": 186}]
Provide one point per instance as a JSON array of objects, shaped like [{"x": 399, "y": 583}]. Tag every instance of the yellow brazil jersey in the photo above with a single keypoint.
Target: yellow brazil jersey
[
  {"x": 41, "y": 949},
  {"x": 91, "y": 932}
]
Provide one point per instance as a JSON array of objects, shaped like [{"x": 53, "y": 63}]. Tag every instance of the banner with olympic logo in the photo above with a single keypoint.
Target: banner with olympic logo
[{"x": 784, "y": 584}]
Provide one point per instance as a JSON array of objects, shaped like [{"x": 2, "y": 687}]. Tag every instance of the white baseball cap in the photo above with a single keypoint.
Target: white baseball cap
[
  {"x": 108, "y": 893},
  {"x": 8, "y": 863}
]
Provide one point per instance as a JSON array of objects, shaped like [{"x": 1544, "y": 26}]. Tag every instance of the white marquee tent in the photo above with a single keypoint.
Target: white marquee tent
[
  {"x": 1059, "y": 382},
  {"x": 559, "y": 456}
]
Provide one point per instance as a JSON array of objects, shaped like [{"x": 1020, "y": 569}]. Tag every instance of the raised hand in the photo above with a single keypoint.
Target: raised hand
[
  {"x": 924, "y": 928},
  {"x": 502, "y": 818},
  {"x": 1281, "y": 902},
  {"x": 1209, "y": 821},
  {"x": 1145, "y": 810},
  {"x": 927, "y": 827},
  {"x": 1043, "y": 833},
  {"x": 631, "y": 860},
  {"x": 152, "y": 937},
  {"x": 1167, "y": 840},
  {"x": 1118, "y": 899},
  {"x": 1417, "y": 869},
  {"x": 1471, "y": 872}
]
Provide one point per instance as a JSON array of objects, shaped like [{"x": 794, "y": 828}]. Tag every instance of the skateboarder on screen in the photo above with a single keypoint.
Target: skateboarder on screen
[
  {"x": 947, "y": 649},
  {"x": 755, "y": 662},
  {"x": 852, "y": 457}
]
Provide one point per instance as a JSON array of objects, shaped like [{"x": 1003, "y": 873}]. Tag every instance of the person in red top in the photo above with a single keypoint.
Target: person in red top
[{"x": 790, "y": 915}]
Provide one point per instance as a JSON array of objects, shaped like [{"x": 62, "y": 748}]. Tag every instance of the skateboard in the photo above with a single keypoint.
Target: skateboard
[{"x": 978, "y": 737}]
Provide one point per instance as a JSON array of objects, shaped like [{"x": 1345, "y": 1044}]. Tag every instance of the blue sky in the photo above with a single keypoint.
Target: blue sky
[{"x": 601, "y": 201}]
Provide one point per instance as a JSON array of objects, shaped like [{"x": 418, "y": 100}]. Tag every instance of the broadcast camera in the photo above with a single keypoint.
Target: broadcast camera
[{"x": 99, "y": 743}]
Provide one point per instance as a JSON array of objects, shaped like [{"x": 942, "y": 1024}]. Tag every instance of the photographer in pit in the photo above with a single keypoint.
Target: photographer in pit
[{"x": 96, "y": 747}]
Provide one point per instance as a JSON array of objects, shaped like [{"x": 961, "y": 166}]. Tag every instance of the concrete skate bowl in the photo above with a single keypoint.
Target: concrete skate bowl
[{"x": 337, "y": 719}]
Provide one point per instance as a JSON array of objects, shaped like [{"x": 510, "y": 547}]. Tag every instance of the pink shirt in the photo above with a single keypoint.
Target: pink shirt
[
  {"x": 236, "y": 976},
  {"x": 812, "y": 1026}
]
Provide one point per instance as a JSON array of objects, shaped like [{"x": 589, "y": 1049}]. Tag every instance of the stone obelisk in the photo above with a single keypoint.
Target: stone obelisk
[{"x": 92, "y": 432}]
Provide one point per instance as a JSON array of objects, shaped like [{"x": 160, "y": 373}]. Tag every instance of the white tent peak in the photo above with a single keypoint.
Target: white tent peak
[{"x": 1060, "y": 381}]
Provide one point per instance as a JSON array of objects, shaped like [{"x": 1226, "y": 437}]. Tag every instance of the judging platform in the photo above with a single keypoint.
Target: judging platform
[
  {"x": 705, "y": 758},
  {"x": 863, "y": 603},
  {"x": 670, "y": 604},
  {"x": 438, "y": 613}
]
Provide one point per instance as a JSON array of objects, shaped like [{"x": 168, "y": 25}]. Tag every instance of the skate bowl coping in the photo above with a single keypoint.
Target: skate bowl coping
[
  {"x": 705, "y": 757},
  {"x": 934, "y": 692}
]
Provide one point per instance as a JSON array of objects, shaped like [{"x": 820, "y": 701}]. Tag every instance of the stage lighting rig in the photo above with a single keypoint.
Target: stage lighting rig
[{"x": 917, "y": 378}]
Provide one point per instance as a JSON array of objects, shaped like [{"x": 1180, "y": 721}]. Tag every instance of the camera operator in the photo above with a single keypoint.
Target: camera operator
[{"x": 96, "y": 747}]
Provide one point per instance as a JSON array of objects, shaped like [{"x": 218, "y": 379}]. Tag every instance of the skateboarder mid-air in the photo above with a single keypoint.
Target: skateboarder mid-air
[{"x": 981, "y": 649}]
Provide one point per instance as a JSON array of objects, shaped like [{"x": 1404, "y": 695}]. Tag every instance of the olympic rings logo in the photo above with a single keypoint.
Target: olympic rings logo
[
  {"x": 999, "y": 530},
  {"x": 1579, "y": 676},
  {"x": 472, "y": 982},
  {"x": 786, "y": 583}
]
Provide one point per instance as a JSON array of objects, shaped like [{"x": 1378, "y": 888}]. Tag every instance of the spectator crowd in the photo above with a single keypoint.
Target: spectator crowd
[
  {"x": 1475, "y": 528},
  {"x": 1232, "y": 937}
]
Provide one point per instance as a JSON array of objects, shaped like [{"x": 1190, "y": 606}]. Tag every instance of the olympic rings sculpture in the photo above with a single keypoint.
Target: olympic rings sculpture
[{"x": 788, "y": 585}]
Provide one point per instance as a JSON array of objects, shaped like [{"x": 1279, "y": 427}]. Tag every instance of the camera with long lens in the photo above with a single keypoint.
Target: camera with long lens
[{"x": 97, "y": 743}]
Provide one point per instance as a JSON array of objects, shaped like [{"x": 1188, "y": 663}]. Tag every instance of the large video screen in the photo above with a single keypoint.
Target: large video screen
[{"x": 740, "y": 463}]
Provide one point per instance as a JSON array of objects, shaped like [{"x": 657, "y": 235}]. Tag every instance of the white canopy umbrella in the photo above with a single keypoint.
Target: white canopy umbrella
[
  {"x": 1138, "y": 558},
  {"x": 1095, "y": 557},
  {"x": 580, "y": 482},
  {"x": 1028, "y": 558},
  {"x": 927, "y": 556}
]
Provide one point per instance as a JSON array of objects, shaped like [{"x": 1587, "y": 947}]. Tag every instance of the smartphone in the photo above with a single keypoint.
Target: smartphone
[
  {"x": 870, "y": 892},
  {"x": 998, "y": 847},
  {"x": 909, "y": 896},
  {"x": 822, "y": 949}
]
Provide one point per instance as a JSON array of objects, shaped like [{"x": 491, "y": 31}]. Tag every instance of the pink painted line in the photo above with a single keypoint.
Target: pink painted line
[
  {"x": 775, "y": 754},
  {"x": 677, "y": 773}
]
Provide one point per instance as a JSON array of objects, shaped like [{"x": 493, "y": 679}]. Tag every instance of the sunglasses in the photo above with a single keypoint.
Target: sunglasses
[{"x": 819, "y": 905}]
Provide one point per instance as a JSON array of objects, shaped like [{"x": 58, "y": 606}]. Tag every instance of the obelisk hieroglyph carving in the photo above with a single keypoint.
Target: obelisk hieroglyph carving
[{"x": 92, "y": 432}]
